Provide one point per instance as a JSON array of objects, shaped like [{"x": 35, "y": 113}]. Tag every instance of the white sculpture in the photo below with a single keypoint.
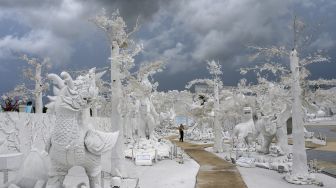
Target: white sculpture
[
  {"x": 300, "y": 168},
  {"x": 73, "y": 142},
  {"x": 167, "y": 119},
  {"x": 142, "y": 91},
  {"x": 129, "y": 111},
  {"x": 267, "y": 126},
  {"x": 123, "y": 49},
  {"x": 40, "y": 85},
  {"x": 215, "y": 70}
]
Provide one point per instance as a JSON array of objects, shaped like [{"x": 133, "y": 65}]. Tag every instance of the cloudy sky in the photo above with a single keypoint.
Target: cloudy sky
[{"x": 184, "y": 33}]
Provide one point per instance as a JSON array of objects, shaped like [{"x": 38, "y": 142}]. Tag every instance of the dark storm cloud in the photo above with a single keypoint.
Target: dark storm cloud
[
  {"x": 27, "y": 3},
  {"x": 188, "y": 33},
  {"x": 184, "y": 33},
  {"x": 192, "y": 32},
  {"x": 55, "y": 28},
  {"x": 131, "y": 9}
]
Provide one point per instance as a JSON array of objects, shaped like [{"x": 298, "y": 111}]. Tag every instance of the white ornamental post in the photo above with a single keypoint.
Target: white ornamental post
[
  {"x": 217, "y": 129},
  {"x": 215, "y": 69},
  {"x": 300, "y": 169},
  {"x": 38, "y": 88},
  {"x": 117, "y": 155}
]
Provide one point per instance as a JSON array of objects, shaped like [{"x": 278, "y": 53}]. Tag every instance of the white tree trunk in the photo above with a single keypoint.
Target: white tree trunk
[
  {"x": 217, "y": 127},
  {"x": 128, "y": 126},
  {"x": 299, "y": 153},
  {"x": 38, "y": 89},
  {"x": 94, "y": 111},
  {"x": 281, "y": 133},
  {"x": 117, "y": 155}
]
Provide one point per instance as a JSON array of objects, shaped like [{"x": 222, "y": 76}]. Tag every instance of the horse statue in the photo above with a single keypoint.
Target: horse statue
[{"x": 73, "y": 142}]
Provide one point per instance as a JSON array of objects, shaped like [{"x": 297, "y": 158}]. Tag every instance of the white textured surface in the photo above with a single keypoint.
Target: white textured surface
[
  {"x": 32, "y": 130},
  {"x": 166, "y": 174},
  {"x": 264, "y": 178}
]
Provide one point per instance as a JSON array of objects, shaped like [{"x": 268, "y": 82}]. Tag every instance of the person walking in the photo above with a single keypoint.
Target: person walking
[{"x": 181, "y": 130}]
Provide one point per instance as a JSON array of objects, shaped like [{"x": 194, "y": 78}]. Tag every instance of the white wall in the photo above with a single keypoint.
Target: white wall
[{"x": 21, "y": 131}]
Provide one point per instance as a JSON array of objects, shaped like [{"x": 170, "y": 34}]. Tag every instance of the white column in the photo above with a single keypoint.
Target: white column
[
  {"x": 217, "y": 127},
  {"x": 94, "y": 110},
  {"x": 38, "y": 89},
  {"x": 117, "y": 155},
  {"x": 299, "y": 153}
]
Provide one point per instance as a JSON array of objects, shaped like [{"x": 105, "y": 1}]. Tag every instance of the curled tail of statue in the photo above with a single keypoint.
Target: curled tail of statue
[{"x": 98, "y": 142}]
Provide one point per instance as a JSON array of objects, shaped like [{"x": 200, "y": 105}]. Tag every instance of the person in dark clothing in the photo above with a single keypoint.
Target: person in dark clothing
[{"x": 181, "y": 130}]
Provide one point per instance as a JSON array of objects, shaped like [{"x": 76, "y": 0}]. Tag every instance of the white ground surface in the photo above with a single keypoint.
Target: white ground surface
[
  {"x": 264, "y": 178},
  {"x": 166, "y": 174}
]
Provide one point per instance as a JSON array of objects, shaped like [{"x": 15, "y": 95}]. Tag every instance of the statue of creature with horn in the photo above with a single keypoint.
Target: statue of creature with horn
[{"x": 73, "y": 141}]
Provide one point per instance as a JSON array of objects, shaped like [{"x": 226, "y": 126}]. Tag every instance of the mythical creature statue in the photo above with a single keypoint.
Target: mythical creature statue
[
  {"x": 271, "y": 126},
  {"x": 73, "y": 141}
]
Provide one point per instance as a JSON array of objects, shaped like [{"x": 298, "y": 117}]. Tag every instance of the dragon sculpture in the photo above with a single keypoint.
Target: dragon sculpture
[{"x": 74, "y": 142}]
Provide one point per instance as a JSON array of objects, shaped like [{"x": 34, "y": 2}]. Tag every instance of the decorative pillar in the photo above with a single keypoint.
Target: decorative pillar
[
  {"x": 117, "y": 155},
  {"x": 217, "y": 129},
  {"x": 299, "y": 173},
  {"x": 38, "y": 88}
]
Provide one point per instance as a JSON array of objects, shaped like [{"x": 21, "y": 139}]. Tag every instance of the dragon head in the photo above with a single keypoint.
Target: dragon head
[{"x": 74, "y": 94}]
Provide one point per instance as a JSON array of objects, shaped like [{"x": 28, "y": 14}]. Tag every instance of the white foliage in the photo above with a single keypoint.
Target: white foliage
[
  {"x": 114, "y": 26},
  {"x": 200, "y": 81},
  {"x": 214, "y": 68}
]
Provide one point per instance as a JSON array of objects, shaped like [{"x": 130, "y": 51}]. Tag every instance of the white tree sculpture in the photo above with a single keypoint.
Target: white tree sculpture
[
  {"x": 123, "y": 49},
  {"x": 215, "y": 70},
  {"x": 40, "y": 84},
  {"x": 201, "y": 112},
  {"x": 142, "y": 89},
  {"x": 298, "y": 72},
  {"x": 300, "y": 168}
]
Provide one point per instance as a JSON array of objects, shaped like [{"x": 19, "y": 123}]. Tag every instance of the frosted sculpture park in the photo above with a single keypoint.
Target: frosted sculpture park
[{"x": 116, "y": 126}]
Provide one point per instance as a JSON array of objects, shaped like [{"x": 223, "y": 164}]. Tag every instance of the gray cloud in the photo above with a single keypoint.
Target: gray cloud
[
  {"x": 38, "y": 42},
  {"x": 27, "y": 3},
  {"x": 131, "y": 9},
  {"x": 53, "y": 28},
  {"x": 222, "y": 30},
  {"x": 183, "y": 33}
]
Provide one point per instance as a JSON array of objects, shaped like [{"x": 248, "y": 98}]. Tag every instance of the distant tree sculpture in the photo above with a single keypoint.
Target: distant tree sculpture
[
  {"x": 202, "y": 106},
  {"x": 300, "y": 168},
  {"x": 142, "y": 89},
  {"x": 215, "y": 70},
  {"x": 294, "y": 80},
  {"x": 40, "y": 84},
  {"x": 123, "y": 49}
]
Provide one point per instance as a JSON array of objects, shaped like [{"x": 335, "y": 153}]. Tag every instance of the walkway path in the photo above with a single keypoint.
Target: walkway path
[{"x": 214, "y": 172}]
